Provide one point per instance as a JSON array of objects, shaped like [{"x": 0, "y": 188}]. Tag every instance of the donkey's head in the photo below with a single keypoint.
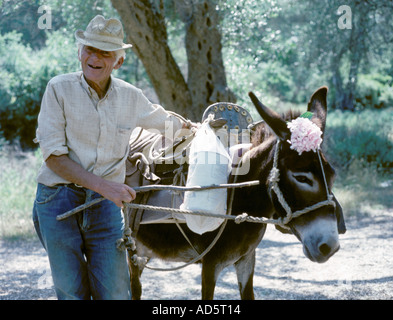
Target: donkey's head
[{"x": 300, "y": 183}]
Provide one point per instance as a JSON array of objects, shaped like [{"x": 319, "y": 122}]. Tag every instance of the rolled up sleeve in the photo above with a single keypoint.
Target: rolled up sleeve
[{"x": 51, "y": 125}]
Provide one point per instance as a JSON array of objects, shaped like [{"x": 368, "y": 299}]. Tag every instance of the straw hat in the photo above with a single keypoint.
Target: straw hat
[{"x": 103, "y": 34}]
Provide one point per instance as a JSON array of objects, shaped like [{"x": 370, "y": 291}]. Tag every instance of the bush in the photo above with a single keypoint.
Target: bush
[
  {"x": 365, "y": 136},
  {"x": 23, "y": 78},
  {"x": 374, "y": 91}
]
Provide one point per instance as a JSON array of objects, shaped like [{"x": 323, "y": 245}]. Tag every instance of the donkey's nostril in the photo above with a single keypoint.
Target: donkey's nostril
[{"x": 324, "y": 249}]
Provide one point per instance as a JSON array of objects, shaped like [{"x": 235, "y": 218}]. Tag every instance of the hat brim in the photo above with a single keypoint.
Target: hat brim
[{"x": 102, "y": 45}]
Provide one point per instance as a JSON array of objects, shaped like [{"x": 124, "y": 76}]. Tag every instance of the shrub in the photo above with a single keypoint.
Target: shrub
[
  {"x": 23, "y": 78},
  {"x": 365, "y": 135},
  {"x": 374, "y": 91}
]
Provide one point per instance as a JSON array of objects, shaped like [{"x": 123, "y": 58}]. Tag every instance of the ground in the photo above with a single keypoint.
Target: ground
[{"x": 361, "y": 269}]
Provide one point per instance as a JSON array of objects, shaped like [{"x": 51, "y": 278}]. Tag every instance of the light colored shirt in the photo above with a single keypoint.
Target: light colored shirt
[{"x": 94, "y": 133}]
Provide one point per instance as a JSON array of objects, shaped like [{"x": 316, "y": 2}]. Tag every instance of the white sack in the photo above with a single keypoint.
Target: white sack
[{"x": 209, "y": 163}]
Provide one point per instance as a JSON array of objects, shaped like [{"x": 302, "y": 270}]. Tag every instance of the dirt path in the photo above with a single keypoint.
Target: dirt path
[{"x": 362, "y": 269}]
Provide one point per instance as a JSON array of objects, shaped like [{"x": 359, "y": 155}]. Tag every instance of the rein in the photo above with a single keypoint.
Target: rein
[{"x": 274, "y": 178}]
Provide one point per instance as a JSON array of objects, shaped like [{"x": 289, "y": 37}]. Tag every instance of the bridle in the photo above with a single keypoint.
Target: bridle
[{"x": 274, "y": 178}]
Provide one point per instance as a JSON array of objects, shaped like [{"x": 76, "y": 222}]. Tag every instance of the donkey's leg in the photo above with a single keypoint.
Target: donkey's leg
[
  {"x": 210, "y": 272},
  {"x": 245, "y": 273},
  {"x": 135, "y": 278}
]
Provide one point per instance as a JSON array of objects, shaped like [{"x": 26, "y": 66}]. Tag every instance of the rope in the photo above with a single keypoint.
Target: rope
[
  {"x": 196, "y": 259},
  {"x": 244, "y": 217},
  {"x": 156, "y": 187},
  {"x": 179, "y": 179},
  {"x": 160, "y": 187},
  {"x": 199, "y": 257},
  {"x": 127, "y": 241},
  {"x": 274, "y": 178}
]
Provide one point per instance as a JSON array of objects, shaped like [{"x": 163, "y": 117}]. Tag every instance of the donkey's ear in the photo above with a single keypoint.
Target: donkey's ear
[
  {"x": 272, "y": 118},
  {"x": 318, "y": 106}
]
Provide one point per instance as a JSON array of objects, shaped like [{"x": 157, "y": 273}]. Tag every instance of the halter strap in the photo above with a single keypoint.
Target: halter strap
[{"x": 274, "y": 178}]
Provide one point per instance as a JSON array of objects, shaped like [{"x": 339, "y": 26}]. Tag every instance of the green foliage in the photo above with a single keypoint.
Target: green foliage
[
  {"x": 257, "y": 54},
  {"x": 374, "y": 91},
  {"x": 21, "y": 16},
  {"x": 363, "y": 189},
  {"x": 24, "y": 74},
  {"x": 360, "y": 147},
  {"x": 290, "y": 48},
  {"x": 77, "y": 14},
  {"x": 365, "y": 137},
  {"x": 282, "y": 50}
]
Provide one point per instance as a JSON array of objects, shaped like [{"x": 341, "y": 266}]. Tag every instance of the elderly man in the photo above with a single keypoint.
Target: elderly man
[{"x": 84, "y": 127}]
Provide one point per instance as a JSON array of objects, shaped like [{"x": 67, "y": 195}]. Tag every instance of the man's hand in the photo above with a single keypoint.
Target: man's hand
[
  {"x": 189, "y": 125},
  {"x": 73, "y": 172},
  {"x": 116, "y": 192}
]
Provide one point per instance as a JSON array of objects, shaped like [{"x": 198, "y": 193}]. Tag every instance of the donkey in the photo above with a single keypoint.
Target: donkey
[{"x": 305, "y": 180}]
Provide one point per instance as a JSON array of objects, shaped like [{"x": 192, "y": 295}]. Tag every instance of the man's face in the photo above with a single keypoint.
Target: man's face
[{"x": 97, "y": 65}]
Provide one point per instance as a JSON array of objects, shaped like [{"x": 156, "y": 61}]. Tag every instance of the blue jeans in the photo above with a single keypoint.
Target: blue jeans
[{"x": 84, "y": 260}]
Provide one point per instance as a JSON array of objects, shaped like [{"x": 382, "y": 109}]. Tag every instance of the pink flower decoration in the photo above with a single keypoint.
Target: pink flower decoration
[{"x": 305, "y": 135}]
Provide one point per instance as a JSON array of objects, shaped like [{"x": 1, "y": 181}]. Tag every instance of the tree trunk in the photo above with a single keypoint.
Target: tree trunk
[
  {"x": 357, "y": 49},
  {"x": 337, "y": 81},
  {"x": 144, "y": 23},
  {"x": 206, "y": 72}
]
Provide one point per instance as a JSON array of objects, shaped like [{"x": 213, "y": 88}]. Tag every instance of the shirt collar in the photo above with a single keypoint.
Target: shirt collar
[{"x": 91, "y": 92}]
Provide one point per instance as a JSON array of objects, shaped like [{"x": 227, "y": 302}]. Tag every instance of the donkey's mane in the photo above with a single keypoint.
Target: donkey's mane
[{"x": 263, "y": 132}]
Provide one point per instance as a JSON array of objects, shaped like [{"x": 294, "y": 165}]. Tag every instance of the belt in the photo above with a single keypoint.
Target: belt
[{"x": 73, "y": 186}]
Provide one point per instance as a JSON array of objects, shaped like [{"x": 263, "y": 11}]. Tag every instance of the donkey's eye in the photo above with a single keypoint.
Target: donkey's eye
[{"x": 303, "y": 179}]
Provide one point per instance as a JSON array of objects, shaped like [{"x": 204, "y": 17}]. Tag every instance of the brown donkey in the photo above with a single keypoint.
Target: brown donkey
[{"x": 294, "y": 188}]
